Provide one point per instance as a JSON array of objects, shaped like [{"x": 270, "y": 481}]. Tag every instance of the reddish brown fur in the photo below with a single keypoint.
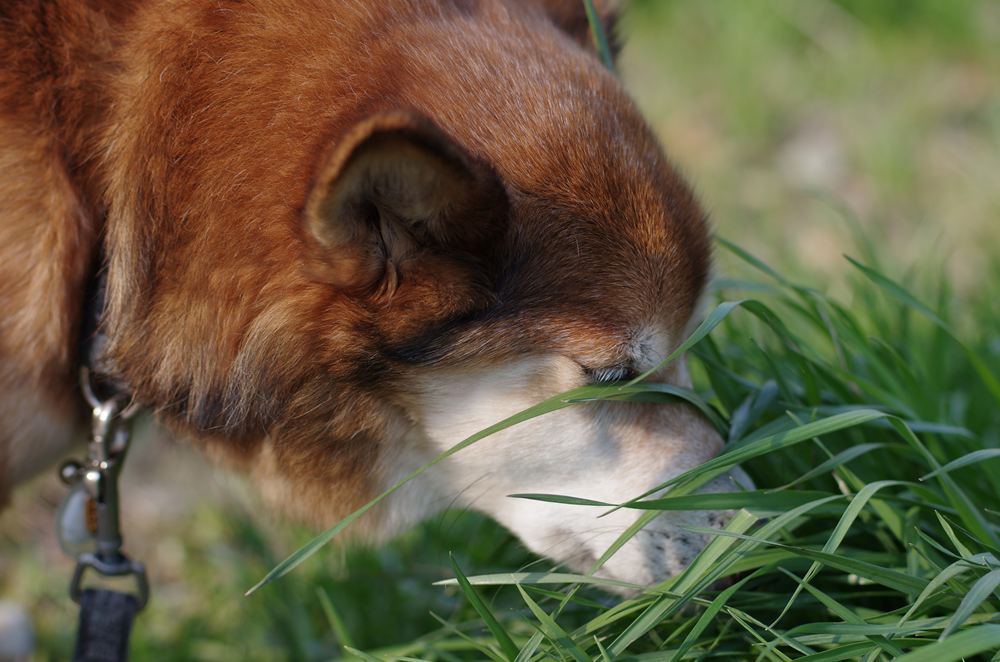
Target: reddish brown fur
[{"x": 192, "y": 134}]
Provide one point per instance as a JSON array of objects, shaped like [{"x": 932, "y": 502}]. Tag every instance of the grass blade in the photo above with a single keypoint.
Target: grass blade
[
  {"x": 967, "y": 459},
  {"x": 531, "y": 578},
  {"x": 503, "y": 639},
  {"x": 980, "y": 639},
  {"x": 980, "y": 591},
  {"x": 556, "y": 634},
  {"x": 599, "y": 35}
]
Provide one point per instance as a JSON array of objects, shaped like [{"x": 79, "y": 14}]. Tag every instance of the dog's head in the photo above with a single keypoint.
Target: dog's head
[{"x": 337, "y": 253}]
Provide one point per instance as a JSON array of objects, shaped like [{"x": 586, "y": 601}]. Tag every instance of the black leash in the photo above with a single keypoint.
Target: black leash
[
  {"x": 105, "y": 623},
  {"x": 88, "y": 521}
]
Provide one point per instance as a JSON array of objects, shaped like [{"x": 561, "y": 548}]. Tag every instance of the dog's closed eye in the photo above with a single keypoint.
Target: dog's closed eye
[{"x": 608, "y": 374}]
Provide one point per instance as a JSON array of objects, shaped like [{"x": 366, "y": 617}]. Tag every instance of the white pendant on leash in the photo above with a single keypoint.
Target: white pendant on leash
[{"x": 76, "y": 520}]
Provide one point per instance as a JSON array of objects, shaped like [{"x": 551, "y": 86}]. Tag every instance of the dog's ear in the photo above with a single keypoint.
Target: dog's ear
[
  {"x": 571, "y": 17},
  {"x": 394, "y": 187}
]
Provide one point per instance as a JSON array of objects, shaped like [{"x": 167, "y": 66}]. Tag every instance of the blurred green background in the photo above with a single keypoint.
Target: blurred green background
[
  {"x": 799, "y": 120},
  {"x": 804, "y": 126}
]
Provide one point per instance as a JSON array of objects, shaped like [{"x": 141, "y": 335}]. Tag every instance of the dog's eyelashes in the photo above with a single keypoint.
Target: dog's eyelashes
[{"x": 617, "y": 373}]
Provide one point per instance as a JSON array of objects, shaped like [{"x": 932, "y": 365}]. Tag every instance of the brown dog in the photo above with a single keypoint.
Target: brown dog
[{"x": 343, "y": 235}]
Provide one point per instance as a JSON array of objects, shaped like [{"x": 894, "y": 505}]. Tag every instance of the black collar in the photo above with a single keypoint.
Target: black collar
[{"x": 92, "y": 337}]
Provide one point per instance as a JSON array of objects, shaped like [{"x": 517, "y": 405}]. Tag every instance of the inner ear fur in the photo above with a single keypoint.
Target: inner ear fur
[{"x": 395, "y": 186}]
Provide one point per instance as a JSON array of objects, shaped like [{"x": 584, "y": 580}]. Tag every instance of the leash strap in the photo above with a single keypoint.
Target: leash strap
[{"x": 104, "y": 626}]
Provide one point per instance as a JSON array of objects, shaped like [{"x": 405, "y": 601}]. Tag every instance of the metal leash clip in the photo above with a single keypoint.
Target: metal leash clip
[{"x": 88, "y": 523}]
